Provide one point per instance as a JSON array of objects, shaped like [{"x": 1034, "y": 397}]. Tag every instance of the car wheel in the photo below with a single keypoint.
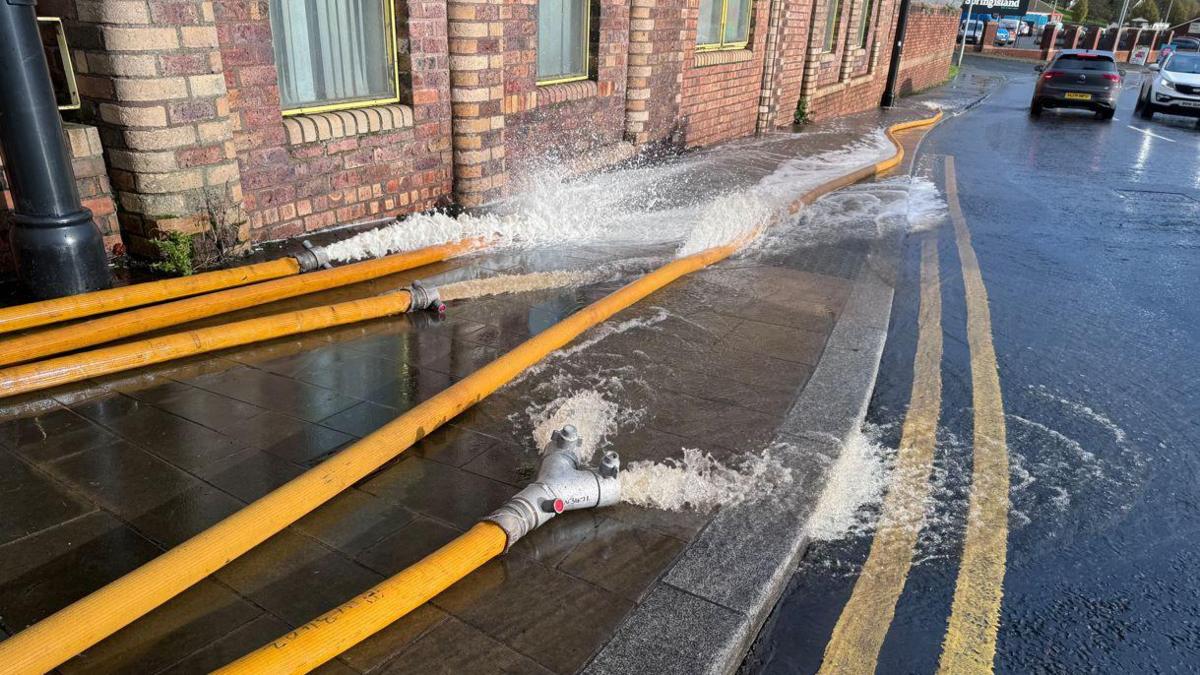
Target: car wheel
[
  {"x": 1139, "y": 104},
  {"x": 1147, "y": 111},
  {"x": 1105, "y": 115},
  {"x": 1035, "y": 109}
]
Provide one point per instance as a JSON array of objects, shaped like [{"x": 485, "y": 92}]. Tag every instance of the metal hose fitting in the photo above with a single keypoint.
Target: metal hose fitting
[
  {"x": 312, "y": 258},
  {"x": 424, "y": 297},
  {"x": 561, "y": 485}
]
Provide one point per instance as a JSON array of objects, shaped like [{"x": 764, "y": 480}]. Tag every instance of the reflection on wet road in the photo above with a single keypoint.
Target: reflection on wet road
[{"x": 1087, "y": 238}]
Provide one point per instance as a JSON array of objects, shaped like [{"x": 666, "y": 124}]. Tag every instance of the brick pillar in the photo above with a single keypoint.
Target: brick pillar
[
  {"x": 152, "y": 80},
  {"x": 1049, "y": 37},
  {"x": 655, "y": 76},
  {"x": 476, "y": 47},
  {"x": 1072, "y": 36},
  {"x": 1092, "y": 39},
  {"x": 987, "y": 40}
]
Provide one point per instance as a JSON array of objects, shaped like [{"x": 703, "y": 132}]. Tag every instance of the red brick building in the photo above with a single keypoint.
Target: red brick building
[{"x": 272, "y": 118}]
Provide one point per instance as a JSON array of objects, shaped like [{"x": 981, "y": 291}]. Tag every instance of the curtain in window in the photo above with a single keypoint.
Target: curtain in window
[
  {"x": 864, "y": 30},
  {"x": 832, "y": 18},
  {"x": 708, "y": 32},
  {"x": 332, "y": 51},
  {"x": 737, "y": 21},
  {"x": 562, "y": 39}
]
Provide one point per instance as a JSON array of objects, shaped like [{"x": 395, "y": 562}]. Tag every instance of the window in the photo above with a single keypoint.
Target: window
[
  {"x": 334, "y": 54},
  {"x": 724, "y": 24},
  {"x": 562, "y": 47},
  {"x": 833, "y": 17},
  {"x": 864, "y": 28}
]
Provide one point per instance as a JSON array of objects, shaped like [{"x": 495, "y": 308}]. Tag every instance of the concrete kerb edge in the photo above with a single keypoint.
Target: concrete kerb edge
[{"x": 704, "y": 613}]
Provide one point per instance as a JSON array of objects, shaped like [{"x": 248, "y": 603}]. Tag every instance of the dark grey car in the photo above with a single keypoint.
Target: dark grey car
[{"x": 1078, "y": 78}]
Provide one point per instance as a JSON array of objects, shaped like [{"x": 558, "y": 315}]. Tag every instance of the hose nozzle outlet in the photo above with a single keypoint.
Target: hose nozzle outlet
[
  {"x": 312, "y": 258},
  {"x": 424, "y": 297},
  {"x": 562, "y": 485}
]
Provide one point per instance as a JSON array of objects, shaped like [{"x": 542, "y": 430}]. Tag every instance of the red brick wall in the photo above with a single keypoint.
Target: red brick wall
[
  {"x": 563, "y": 119},
  {"x": 293, "y": 186},
  {"x": 91, "y": 177},
  {"x": 720, "y": 102},
  {"x": 928, "y": 49}
]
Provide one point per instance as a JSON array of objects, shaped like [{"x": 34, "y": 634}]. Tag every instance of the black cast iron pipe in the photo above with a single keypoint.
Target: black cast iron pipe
[
  {"x": 889, "y": 89},
  {"x": 58, "y": 249}
]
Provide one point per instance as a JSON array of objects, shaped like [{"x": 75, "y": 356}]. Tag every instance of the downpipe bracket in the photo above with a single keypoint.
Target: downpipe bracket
[{"x": 562, "y": 485}]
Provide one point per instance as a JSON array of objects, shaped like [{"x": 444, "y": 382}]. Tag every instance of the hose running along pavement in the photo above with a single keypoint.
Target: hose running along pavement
[
  {"x": 108, "y": 328},
  {"x": 113, "y": 299},
  {"x": 64, "y": 634},
  {"x": 39, "y": 375}
]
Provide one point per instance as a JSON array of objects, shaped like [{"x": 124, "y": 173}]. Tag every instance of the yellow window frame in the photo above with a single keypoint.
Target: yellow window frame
[
  {"x": 864, "y": 31},
  {"x": 586, "y": 42},
  {"x": 722, "y": 44},
  {"x": 68, "y": 66},
  {"x": 829, "y": 44},
  {"x": 390, "y": 19}
]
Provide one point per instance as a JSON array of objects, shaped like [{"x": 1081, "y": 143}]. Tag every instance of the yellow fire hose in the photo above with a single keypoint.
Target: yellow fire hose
[
  {"x": 29, "y": 377},
  {"x": 71, "y": 630},
  {"x": 109, "y": 328},
  {"x": 339, "y": 629},
  {"x": 112, "y": 299}
]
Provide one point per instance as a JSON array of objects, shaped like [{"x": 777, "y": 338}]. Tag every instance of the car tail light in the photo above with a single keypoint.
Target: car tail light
[
  {"x": 1051, "y": 74},
  {"x": 1112, "y": 77}
]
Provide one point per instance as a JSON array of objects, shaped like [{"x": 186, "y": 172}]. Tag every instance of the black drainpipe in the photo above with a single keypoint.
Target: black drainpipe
[
  {"x": 58, "y": 249},
  {"x": 889, "y": 91}
]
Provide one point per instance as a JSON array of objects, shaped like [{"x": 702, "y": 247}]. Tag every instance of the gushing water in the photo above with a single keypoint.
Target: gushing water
[
  {"x": 594, "y": 417},
  {"x": 855, "y": 484},
  {"x": 692, "y": 202},
  {"x": 699, "y": 482},
  {"x": 513, "y": 283}
]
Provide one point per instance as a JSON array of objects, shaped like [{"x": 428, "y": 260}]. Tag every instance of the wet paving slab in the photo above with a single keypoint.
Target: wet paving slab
[{"x": 102, "y": 476}]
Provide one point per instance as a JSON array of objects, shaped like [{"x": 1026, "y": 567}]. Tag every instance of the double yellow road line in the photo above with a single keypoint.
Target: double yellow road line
[{"x": 970, "y": 640}]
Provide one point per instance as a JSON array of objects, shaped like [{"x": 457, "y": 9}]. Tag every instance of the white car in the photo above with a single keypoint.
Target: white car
[{"x": 1172, "y": 87}]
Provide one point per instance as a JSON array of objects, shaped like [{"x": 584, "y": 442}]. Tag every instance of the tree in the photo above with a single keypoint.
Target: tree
[
  {"x": 1182, "y": 10},
  {"x": 1080, "y": 11},
  {"x": 1149, "y": 12}
]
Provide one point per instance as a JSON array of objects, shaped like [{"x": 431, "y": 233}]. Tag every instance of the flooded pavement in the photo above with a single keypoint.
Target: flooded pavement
[
  {"x": 688, "y": 385},
  {"x": 1086, "y": 238}
]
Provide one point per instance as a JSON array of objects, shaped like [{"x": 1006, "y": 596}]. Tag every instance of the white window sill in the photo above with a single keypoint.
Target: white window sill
[{"x": 327, "y": 126}]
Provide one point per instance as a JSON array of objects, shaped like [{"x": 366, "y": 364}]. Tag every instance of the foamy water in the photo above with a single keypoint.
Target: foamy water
[
  {"x": 699, "y": 482},
  {"x": 856, "y": 483},
  {"x": 595, "y": 417},
  {"x": 673, "y": 203}
]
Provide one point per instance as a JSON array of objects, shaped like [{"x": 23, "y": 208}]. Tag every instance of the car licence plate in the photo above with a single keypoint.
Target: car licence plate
[
  {"x": 1076, "y": 96},
  {"x": 1190, "y": 104}
]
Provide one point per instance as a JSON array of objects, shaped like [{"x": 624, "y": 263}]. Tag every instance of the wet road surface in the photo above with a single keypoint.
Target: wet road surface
[{"x": 1087, "y": 236}]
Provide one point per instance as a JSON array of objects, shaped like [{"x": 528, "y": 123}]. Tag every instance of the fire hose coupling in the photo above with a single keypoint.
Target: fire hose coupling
[
  {"x": 312, "y": 258},
  {"x": 561, "y": 485},
  {"x": 424, "y": 297}
]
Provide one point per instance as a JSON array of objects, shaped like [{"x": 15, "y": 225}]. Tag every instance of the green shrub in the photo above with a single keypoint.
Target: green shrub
[
  {"x": 176, "y": 250},
  {"x": 801, "y": 114}
]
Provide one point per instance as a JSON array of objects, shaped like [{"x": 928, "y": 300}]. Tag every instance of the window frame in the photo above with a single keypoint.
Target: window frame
[
  {"x": 864, "y": 31},
  {"x": 585, "y": 43},
  {"x": 833, "y": 20},
  {"x": 722, "y": 44},
  {"x": 392, "y": 61}
]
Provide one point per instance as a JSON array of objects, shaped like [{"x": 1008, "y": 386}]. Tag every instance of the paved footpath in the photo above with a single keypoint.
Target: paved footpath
[{"x": 774, "y": 349}]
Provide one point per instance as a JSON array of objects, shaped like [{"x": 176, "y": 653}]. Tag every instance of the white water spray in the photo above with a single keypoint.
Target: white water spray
[{"x": 699, "y": 482}]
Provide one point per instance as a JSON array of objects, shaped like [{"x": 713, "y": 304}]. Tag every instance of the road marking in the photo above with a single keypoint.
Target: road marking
[
  {"x": 1150, "y": 133},
  {"x": 970, "y": 642},
  {"x": 864, "y": 622}
]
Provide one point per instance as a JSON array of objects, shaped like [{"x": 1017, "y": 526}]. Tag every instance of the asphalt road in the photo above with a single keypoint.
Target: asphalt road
[{"x": 1087, "y": 236}]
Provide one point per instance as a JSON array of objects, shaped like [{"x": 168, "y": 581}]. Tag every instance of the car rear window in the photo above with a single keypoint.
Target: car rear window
[{"x": 1086, "y": 62}]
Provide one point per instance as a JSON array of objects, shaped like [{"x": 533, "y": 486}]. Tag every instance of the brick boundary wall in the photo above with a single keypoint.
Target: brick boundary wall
[{"x": 91, "y": 178}]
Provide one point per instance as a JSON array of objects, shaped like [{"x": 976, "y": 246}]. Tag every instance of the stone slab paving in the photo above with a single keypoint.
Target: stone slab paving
[{"x": 102, "y": 476}]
